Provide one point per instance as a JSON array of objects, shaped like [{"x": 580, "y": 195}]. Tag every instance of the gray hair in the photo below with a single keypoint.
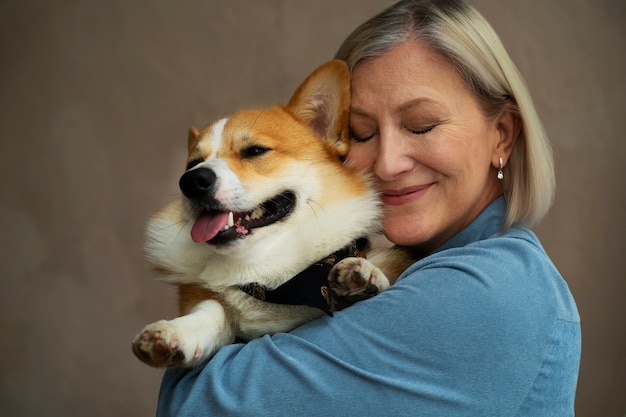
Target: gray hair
[{"x": 459, "y": 32}]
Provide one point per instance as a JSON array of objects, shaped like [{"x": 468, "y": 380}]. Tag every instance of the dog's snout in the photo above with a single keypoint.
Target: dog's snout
[{"x": 197, "y": 183}]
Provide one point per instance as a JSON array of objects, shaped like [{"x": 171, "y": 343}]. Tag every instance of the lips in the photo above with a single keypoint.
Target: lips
[
  {"x": 396, "y": 197},
  {"x": 220, "y": 227}
]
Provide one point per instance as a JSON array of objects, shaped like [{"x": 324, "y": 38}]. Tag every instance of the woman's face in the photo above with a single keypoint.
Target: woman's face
[{"x": 419, "y": 129}]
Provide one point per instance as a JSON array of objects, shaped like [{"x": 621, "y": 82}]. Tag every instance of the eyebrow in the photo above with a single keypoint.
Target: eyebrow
[
  {"x": 403, "y": 107},
  {"x": 419, "y": 102}
]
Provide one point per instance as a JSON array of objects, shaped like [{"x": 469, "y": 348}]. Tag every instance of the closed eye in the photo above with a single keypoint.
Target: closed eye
[
  {"x": 360, "y": 139},
  {"x": 421, "y": 131},
  {"x": 252, "y": 152}
]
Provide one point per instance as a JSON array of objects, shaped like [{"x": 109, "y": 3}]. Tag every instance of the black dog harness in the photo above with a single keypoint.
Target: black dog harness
[{"x": 309, "y": 287}]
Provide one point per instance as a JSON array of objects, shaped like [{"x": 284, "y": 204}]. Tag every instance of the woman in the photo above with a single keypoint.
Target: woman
[{"x": 482, "y": 324}]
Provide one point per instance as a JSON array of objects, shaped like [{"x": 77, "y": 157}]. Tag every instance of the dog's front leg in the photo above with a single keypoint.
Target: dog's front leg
[{"x": 186, "y": 340}]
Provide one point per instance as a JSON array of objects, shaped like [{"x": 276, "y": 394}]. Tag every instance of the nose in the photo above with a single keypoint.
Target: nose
[
  {"x": 197, "y": 183},
  {"x": 392, "y": 157}
]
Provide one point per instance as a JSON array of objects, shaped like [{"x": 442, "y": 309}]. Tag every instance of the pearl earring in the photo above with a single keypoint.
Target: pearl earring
[{"x": 500, "y": 174}]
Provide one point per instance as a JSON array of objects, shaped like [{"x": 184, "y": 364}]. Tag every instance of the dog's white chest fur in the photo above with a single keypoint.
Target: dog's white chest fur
[{"x": 265, "y": 195}]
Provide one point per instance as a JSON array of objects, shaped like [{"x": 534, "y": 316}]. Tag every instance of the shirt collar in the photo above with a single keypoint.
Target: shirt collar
[{"x": 486, "y": 224}]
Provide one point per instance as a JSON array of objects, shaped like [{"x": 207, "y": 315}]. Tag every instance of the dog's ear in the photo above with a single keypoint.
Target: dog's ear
[
  {"x": 323, "y": 103},
  {"x": 192, "y": 138}
]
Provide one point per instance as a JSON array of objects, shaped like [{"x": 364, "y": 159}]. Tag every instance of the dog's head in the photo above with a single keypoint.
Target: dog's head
[{"x": 258, "y": 171}]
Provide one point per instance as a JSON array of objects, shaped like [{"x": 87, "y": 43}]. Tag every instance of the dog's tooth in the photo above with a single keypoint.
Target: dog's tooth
[
  {"x": 247, "y": 218},
  {"x": 257, "y": 213},
  {"x": 231, "y": 220}
]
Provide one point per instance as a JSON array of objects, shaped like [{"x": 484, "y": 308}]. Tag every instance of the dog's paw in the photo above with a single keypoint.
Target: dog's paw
[
  {"x": 160, "y": 345},
  {"x": 357, "y": 277}
]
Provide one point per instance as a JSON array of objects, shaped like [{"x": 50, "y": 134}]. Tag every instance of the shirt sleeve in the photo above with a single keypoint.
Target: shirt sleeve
[{"x": 458, "y": 335}]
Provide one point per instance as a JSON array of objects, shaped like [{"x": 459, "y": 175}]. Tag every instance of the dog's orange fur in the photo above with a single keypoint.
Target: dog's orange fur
[{"x": 308, "y": 139}]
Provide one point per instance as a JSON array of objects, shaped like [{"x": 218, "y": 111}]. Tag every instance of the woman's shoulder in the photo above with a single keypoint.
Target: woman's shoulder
[{"x": 508, "y": 268}]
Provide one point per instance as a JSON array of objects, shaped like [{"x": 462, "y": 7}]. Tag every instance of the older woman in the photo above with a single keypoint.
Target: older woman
[{"x": 482, "y": 324}]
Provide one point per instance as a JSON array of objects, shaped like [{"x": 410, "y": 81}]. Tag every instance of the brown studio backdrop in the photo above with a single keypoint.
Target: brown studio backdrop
[{"x": 96, "y": 98}]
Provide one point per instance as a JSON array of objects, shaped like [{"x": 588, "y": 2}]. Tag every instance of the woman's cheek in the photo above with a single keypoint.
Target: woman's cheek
[{"x": 360, "y": 156}]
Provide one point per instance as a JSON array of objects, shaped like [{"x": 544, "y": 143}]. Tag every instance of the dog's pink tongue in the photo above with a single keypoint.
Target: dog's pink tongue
[{"x": 208, "y": 225}]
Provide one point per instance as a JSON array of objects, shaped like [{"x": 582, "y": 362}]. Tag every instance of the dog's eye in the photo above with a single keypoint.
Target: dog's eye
[
  {"x": 252, "y": 151},
  {"x": 193, "y": 163}
]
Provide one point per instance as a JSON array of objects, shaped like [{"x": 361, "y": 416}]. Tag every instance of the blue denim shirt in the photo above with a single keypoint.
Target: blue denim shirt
[{"x": 484, "y": 326}]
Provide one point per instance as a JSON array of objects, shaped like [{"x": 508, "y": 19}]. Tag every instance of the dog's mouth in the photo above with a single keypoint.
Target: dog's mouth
[{"x": 221, "y": 227}]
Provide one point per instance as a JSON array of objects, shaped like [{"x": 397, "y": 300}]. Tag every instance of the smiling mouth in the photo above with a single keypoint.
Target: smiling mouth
[
  {"x": 223, "y": 227},
  {"x": 404, "y": 195}
]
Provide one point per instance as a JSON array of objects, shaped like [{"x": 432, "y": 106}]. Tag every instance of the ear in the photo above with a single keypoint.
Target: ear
[
  {"x": 192, "y": 138},
  {"x": 509, "y": 126},
  {"x": 323, "y": 103}
]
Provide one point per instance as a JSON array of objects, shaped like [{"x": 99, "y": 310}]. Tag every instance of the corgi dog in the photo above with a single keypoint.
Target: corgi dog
[{"x": 269, "y": 229}]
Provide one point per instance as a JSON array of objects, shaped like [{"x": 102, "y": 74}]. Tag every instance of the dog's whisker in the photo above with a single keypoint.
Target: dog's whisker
[
  {"x": 217, "y": 240},
  {"x": 311, "y": 204},
  {"x": 182, "y": 224}
]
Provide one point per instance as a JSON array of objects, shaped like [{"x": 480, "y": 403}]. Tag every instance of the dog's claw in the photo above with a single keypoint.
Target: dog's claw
[
  {"x": 152, "y": 347},
  {"x": 358, "y": 278}
]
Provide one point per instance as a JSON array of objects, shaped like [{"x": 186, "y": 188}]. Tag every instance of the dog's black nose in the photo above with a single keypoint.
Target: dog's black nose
[{"x": 197, "y": 183}]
